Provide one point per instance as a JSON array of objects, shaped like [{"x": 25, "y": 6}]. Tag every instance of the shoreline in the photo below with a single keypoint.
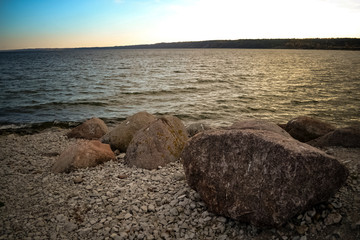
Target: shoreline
[{"x": 114, "y": 201}]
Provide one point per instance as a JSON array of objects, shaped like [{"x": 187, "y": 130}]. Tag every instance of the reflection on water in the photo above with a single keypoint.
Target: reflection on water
[{"x": 215, "y": 85}]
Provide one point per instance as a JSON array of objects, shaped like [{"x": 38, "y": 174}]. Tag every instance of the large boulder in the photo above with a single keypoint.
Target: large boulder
[
  {"x": 93, "y": 128},
  {"x": 158, "y": 144},
  {"x": 259, "y": 176},
  {"x": 305, "y": 128},
  {"x": 344, "y": 137},
  {"x": 83, "y": 154},
  {"x": 259, "y": 124},
  {"x": 120, "y": 137}
]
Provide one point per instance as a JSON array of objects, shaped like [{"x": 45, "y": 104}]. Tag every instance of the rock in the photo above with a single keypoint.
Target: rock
[
  {"x": 344, "y": 137},
  {"x": 195, "y": 128},
  {"x": 151, "y": 208},
  {"x": 127, "y": 216},
  {"x": 259, "y": 124},
  {"x": 305, "y": 128},
  {"x": 70, "y": 226},
  {"x": 158, "y": 144},
  {"x": 302, "y": 229},
  {"x": 332, "y": 218},
  {"x": 259, "y": 176},
  {"x": 78, "y": 180},
  {"x": 123, "y": 176},
  {"x": 83, "y": 154},
  {"x": 94, "y": 128},
  {"x": 120, "y": 137}
]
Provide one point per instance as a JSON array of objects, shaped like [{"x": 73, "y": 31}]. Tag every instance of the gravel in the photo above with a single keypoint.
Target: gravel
[{"x": 114, "y": 201}]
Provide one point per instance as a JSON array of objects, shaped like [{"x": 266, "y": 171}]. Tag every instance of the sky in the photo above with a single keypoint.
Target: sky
[{"x": 98, "y": 23}]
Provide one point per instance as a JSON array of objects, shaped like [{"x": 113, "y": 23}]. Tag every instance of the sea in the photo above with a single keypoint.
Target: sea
[{"x": 213, "y": 86}]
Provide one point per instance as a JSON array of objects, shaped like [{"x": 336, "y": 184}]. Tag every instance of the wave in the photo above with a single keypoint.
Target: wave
[{"x": 163, "y": 92}]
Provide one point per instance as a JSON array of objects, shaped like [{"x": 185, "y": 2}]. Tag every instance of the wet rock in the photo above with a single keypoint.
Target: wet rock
[
  {"x": 158, "y": 144},
  {"x": 305, "y": 128},
  {"x": 120, "y": 137},
  {"x": 344, "y": 137},
  {"x": 259, "y": 176},
  {"x": 94, "y": 128},
  {"x": 259, "y": 124},
  {"x": 83, "y": 154}
]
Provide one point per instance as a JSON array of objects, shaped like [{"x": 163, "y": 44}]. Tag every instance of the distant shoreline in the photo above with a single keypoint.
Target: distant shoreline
[{"x": 289, "y": 43}]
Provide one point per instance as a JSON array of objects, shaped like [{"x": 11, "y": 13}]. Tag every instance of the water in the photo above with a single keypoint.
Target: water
[{"x": 217, "y": 86}]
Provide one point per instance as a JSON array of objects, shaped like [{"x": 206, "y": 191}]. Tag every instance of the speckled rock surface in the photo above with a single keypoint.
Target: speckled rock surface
[
  {"x": 259, "y": 124},
  {"x": 304, "y": 128},
  {"x": 158, "y": 144},
  {"x": 91, "y": 129},
  {"x": 258, "y": 176},
  {"x": 83, "y": 154},
  {"x": 343, "y": 137},
  {"x": 120, "y": 137}
]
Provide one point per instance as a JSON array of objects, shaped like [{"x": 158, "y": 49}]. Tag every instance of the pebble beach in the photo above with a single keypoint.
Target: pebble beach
[{"x": 114, "y": 201}]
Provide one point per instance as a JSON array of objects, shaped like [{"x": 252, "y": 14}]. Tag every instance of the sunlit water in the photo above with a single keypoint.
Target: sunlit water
[{"x": 217, "y": 86}]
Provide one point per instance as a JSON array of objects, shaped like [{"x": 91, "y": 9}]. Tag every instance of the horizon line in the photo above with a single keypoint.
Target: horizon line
[{"x": 177, "y": 42}]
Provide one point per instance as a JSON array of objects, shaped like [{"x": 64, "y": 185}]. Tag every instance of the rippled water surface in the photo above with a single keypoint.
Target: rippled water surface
[{"x": 213, "y": 85}]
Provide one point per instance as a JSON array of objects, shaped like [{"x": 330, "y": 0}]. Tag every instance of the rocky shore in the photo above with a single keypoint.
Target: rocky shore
[{"x": 115, "y": 201}]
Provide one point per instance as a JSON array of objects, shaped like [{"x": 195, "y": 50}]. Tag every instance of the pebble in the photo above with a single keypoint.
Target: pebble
[
  {"x": 78, "y": 180},
  {"x": 332, "y": 218},
  {"x": 114, "y": 201}
]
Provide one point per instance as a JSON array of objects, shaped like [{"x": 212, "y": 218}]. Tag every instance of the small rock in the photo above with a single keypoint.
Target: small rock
[
  {"x": 84, "y": 231},
  {"x": 144, "y": 208},
  {"x": 332, "y": 218},
  {"x": 115, "y": 236},
  {"x": 123, "y": 176},
  {"x": 311, "y": 213},
  {"x": 78, "y": 180},
  {"x": 98, "y": 226},
  {"x": 222, "y": 219},
  {"x": 69, "y": 226},
  {"x": 308, "y": 218},
  {"x": 179, "y": 177},
  {"x": 61, "y": 218},
  {"x": 302, "y": 229},
  {"x": 195, "y": 128},
  {"x": 336, "y": 205},
  {"x": 355, "y": 226},
  {"x": 93, "y": 221},
  {"x": 151, "y": 208},
  {"x": 123, "y": 235},
  {"x": 174, "y": 212}
]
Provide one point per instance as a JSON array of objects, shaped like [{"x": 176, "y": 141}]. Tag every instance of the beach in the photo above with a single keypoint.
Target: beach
[{"x": 114, "y": 201}]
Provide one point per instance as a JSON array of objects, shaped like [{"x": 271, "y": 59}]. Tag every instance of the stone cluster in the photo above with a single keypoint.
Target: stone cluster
[{"x": 115, "y": 200}]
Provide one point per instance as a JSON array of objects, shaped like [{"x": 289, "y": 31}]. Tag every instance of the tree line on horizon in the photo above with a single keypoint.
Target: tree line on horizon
[
  {"x": 293, "y": 43},
  {"x": 314, "y": 43}
]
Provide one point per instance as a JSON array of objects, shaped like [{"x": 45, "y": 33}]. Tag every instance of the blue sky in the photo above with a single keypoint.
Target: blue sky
[{"x": 86, "y": 23}]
